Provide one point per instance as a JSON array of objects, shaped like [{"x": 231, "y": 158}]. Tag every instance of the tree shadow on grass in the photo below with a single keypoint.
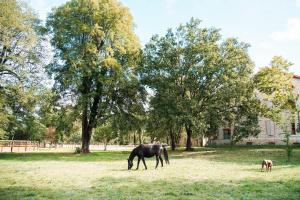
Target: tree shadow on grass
[
  {"x": 63, "y": 156},
  {"x": 132, "y": 188},
  {"x": 256, "y": 156},
  {"x": 242, "y": 155},
  {"x": 34, "y": 193},
  {"x": 239, "y": 155}
]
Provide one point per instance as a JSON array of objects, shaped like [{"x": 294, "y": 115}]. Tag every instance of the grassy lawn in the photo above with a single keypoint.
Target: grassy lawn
[{"x": 206, "y": 173}]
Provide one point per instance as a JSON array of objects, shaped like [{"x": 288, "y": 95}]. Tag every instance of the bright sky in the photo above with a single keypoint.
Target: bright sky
[{"x": 272, "y": 27}]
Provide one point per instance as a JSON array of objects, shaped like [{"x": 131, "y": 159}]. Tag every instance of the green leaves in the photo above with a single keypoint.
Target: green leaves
[
  {"x": 20, "y": 42},
  {"x": 105, "y": 133},
  {"x": 111, "y": 63},
  {"x": 95, "y": 53},
  {"x": 91, "y": 37},
  {"x": 198, "y": 80},
  {"x": 274, "y": 84},
  {"x": 22, "y": 55}
]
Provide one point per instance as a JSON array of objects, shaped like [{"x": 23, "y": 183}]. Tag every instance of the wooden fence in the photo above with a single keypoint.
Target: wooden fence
[
  {"x": 30, "y": 146},
  {"x": 18, "y": 145}
]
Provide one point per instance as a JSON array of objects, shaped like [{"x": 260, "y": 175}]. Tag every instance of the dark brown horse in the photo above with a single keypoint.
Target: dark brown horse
[{"x": 146, "y": 151}]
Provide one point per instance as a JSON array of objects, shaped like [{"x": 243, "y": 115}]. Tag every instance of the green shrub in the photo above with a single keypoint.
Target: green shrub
[{"x": 77, "y": 150}]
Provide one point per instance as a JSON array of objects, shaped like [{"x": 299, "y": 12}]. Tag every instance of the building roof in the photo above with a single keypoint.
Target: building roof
[{"x": 296, "y": 76}]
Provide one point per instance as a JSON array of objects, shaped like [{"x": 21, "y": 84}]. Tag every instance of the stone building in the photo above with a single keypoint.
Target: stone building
[{"x": 271, "y": 133}]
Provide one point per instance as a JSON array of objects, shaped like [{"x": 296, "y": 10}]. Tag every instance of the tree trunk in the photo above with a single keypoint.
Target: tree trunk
[
  {"x": 89, "y": 120},
  {"x": 173, "y": 140},
  {"x": 188, "y": 146},
  {"x": 298, "y": 124},
  {"x": 85, "y": 141},
  {"x": 105, "y": 144},
  {"x": 86, "y": 135},
  {"x": 134, "y": 138},
  {"x": 140, "y": 137},
  {"x": 152, "y": 140}
]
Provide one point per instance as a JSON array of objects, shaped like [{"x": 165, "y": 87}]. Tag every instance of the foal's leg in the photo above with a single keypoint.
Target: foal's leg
[
  {"x": 262, "y": 167},
  {"x": 157, "y": 161},
  {"x": 143, "y": 159},
  {"x": 138, "y": 163},
  {"x": 161, "y": 161}
]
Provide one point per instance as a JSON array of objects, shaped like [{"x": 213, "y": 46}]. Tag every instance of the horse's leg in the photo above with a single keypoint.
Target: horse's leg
[
  {"x": 262, "y": 167},
  {"x": 161, "y": 161},
  {"x": 143, "y": 159},
  {"x": 157, "y": 161},
  {"x": 138, "y": 163}
]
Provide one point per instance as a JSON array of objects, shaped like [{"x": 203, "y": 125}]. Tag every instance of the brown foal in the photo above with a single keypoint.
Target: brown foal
[{"x": 268, "y": 164}]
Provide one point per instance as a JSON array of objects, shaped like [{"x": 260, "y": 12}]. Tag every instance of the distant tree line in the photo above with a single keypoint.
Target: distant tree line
[{"x": 107, "y": 87}]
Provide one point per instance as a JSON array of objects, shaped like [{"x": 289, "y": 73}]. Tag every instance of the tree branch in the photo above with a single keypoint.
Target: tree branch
[{"x": 9, "y": 72}]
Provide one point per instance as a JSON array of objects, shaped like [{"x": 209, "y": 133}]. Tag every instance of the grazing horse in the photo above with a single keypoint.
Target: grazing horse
[
  {"x": 268, "y": 164},
  {"x": 148, "y": 150}
]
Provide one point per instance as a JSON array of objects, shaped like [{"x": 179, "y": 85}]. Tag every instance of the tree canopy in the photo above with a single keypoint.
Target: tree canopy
[
  {"x": 21, "y": 70},
  {"x": 195, "y": 75},
  {"x": 95, "y": 54}
]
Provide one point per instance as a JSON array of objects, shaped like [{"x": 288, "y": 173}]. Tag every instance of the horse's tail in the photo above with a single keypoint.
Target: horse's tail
[{"x": 166, "y": 157}]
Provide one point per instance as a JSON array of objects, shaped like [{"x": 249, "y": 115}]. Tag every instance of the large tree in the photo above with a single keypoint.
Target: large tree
[
  {"x": 95, "y": 50},
  {"x": 201, "y": 75},
  {"x": 275, "y": 88},
  {"x": 279, "y": 98},
  {"x": 21, "y": 70}
]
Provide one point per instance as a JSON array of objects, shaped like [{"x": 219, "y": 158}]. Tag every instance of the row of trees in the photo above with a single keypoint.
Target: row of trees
[
  {"x": 190, "y": 80},
  {"x": 21, "y": 67}
]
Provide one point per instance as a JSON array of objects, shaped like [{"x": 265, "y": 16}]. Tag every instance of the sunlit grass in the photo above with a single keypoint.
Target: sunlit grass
[{"x": 220, "y": 173}]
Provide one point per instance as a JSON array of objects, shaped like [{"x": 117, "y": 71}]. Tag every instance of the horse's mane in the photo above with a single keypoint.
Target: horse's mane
[{"x": 133, "y": 154}]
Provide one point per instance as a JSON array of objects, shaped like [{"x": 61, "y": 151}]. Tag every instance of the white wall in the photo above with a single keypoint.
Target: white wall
[{"x": 264, "y": 137}]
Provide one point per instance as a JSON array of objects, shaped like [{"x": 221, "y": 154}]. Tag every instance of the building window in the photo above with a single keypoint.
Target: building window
[
  {"x": 270, "y": 127},
  {"x": 293, "y": 129},
  {"x": 226, "y": 134}
]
